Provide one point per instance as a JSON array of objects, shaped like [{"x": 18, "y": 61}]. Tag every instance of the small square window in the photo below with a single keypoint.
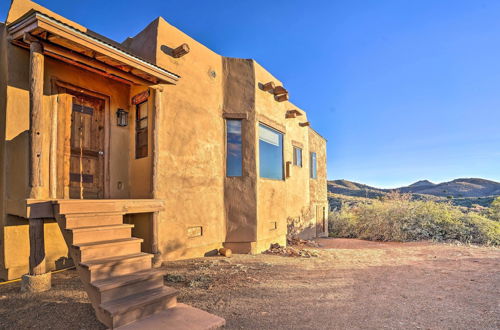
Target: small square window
[{"x": 297, "y": 156}]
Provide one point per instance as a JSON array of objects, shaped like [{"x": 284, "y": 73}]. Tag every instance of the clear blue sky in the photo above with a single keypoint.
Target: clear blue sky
[{"x": 403, "y": 90}]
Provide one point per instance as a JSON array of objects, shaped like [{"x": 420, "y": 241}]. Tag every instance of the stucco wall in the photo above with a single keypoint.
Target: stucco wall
[
  {"x": 3, "y": 101},
  {"x": 240, "y": 194},
  {"x": 318, "y": 187},
  {"x": 191, "y": 156},
  {"x": 203, "y": 208}
]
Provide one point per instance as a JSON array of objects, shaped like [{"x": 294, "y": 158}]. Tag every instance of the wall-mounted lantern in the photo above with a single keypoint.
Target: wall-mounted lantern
[{"x": 121, "y": 118}]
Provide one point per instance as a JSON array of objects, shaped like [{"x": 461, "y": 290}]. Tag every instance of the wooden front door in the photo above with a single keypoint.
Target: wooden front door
[{"x": 86, "y": 168}]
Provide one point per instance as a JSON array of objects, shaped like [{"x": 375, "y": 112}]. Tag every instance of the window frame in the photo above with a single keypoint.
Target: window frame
[
  {"x": 282, "y": 140},
  {"x": 141, "y": 131},
  {"x": 295, "y": 158},
  {"x": 313, "y": 165},
  {"x": 227, "y": 146}
]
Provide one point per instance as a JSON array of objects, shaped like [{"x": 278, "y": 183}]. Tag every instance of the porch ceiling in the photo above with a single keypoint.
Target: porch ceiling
[{"x": 89, "y": 51}]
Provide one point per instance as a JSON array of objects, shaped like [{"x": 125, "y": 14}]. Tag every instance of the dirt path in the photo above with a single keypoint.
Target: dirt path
[{"x": 353, "y": 284}]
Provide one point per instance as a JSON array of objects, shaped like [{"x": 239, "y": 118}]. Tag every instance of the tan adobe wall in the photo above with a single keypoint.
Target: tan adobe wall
[
  {"x": 318, "y": 187},
  {"x": 240, "y": 193},
  {"x": 271, "y": 194},
  {"x": 191, "y": 148},
  {"x": 3, "y": 101},
  {"x": 203, "y": 208}
]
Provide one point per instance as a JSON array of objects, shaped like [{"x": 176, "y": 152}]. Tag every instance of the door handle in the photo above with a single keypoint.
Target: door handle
[{"x": 101, "y": 153}]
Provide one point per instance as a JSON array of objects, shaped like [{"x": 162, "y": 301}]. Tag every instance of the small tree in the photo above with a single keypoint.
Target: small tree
[{"x": 494, "y": 212}]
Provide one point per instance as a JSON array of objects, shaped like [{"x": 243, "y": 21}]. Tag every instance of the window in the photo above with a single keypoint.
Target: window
[
  {"x": 313, "y": 166},
  {"x": 297, "y": 156},
  {"x": 270, "y": 153},
  {"x": 141, "y": 130},
  {"x": 233, "y": 148}
]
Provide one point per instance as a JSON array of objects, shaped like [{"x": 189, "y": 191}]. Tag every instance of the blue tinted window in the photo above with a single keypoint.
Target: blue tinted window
[
  {"x": 313, "y": 166},
  {"x": 270, "y": 153},
  {"x": 233, "y": 145}
]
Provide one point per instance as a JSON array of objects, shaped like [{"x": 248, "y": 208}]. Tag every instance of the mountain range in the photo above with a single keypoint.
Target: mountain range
[{"x": 458, "y": 188}]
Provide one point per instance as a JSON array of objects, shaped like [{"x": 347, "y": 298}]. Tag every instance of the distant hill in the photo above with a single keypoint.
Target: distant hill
[
  {"x": 468, "y": 187},
  {"x": 465, "y": 192},
  {"x": 457, "y": 188}
]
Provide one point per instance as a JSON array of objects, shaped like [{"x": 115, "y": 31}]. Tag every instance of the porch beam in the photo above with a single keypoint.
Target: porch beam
[
  {"x": 105, "y": 69},
  {"x": 87, "y": 63}
]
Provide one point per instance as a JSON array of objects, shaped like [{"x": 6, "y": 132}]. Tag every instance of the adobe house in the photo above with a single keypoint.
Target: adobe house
[{"x": 122, "y": 155}]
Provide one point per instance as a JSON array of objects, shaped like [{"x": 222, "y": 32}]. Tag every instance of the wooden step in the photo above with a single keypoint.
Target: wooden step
[
  {"x": 72, "y": 206},
  {"x": 131, "y": 308},
  {"x": 99, "y": 269},
  {"x": 121, "y": 286},
  {"x": 101, "y": 233},
  {"x": 180, "y": 317},
  {"x": 106, "y": 249},
  {"x": 92, "y": 220}
]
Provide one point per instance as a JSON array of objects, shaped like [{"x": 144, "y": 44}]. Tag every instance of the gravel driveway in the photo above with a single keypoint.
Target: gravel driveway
[{"x": 353, "y": 284}]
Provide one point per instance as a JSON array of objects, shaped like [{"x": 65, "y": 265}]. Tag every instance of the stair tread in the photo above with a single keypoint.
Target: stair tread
[
  {"x": 103, "y": 227},
  {"x": 83, "y": 246},
  {"x": 121, "y": 280},
  {"x": 104, "y": 261},
  {"x": 93, "y": 214},
  {"x": 122, "y": 305},
  {"x": 180, "y": 317}
]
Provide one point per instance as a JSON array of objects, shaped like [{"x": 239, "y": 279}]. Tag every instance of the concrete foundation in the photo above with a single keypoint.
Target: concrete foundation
[{"x": 36, "y": 283}]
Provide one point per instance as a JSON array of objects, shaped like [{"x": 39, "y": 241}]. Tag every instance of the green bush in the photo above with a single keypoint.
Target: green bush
[
  {"x": 397, "y": 218},
  {"x": 494, "y": 210}
]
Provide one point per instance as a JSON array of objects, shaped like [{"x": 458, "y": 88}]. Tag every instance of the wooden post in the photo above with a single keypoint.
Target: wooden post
[
  {"x": 156, "y": 124},
  {"x": 37, "y": 247},
  {"x": 36, "y": 112},
  {"x": 53, "y": 145},
  {"x": 154, "y": 225},
  {"x": 37, "y": 280},
  {"x": 154, "y": 240}
]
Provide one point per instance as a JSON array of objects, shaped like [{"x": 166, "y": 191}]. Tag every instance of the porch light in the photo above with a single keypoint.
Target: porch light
[{"x": 121, "y": 118}]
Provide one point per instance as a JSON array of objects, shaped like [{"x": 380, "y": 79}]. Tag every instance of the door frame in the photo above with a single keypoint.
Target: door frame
[{"x": 64, "y": 110}]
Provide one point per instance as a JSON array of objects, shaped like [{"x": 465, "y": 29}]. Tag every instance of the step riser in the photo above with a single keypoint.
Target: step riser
[
  {"x": 143, "y": 311},
  {"x": 100, "y": 273},
  {"x": 84, "y": 221},
  {"x": 101, "y": 235},
  {"x": 86, "y": 207},
  {"x": 100, "y": 252},
  {"x": 123, "y": 291}
]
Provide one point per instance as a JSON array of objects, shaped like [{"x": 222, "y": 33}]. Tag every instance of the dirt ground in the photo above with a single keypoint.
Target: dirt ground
[{"x": 352, "y": 284}]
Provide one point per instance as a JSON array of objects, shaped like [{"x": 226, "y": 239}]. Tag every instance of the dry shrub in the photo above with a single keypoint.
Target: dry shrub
[{"x": 397, "y": 218}]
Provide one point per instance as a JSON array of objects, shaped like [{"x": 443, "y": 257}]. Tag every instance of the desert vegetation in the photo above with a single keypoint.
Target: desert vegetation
[{"x": 398, "y": 217}]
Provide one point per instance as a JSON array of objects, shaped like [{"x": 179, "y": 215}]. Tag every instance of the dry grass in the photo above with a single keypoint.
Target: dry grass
[{"x": 398, "y": 218}]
